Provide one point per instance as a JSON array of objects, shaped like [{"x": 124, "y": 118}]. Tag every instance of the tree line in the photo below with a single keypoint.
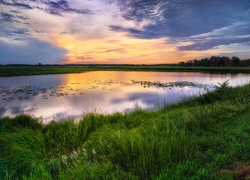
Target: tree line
[{"x": 217, "y": 61}]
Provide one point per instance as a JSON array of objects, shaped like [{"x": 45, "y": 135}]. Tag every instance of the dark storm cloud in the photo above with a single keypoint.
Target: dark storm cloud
[
  {"x": 180, "y": 19},
  {"x": 30, "y": 51},
  {"x": 62, "y": 6}
]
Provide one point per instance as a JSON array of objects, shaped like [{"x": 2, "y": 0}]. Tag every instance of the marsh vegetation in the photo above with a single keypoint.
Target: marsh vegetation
[{"x": 27, "y": 70}]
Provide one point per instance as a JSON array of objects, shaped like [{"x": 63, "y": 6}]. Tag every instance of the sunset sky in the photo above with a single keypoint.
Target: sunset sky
[{"x": 122, "y": 31}]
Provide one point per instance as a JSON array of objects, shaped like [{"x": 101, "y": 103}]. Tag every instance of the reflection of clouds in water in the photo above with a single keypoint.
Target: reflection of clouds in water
[
  {"x": 28, "y": 109},
  {"x": 14, "y": 103},
  {"x": 154, "y": 100},
  {"x": 2, "y": 110},
  {"x": 147, "y": 98},
  {"x": 73, "y": 95},
  {"x": 16, "y": 109},
  {"x": 39, "y": 81},
  {"x": 59, "y": 117},
  {"x": 64, "y": 105}
]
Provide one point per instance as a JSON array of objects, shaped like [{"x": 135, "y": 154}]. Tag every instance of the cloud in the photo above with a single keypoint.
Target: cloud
[
  {"x": 14, "y": 32},
  {"x": 52, "y": 7},
  {"x": 10, "y": 18},
  {"x": 209, "y": 44},
  {"x": 184, "y": 18},
  {"x": 180, "y": 20},
  {"x": 22, "y": 17},
  {"x": 20, "y": 31},
  {"x": 237, "y": 33},
  {"x": 138, "y": 10},
  {"x": 16, "y": 4},
  {"x": 120, "y": 50},
  {"x": 12, "y": 24},
  {"x": 6, "y": 17},
  {"x": 118, "y": 31},
  {"x": 32, "y": 51},
  {"x": 62, "y": 6}
]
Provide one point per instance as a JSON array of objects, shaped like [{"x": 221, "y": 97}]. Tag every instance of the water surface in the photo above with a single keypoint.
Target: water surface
[{"x": 60, "y": 97}]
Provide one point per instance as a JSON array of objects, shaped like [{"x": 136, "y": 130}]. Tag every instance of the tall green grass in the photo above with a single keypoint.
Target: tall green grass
[{"x": 193, "y": 139}]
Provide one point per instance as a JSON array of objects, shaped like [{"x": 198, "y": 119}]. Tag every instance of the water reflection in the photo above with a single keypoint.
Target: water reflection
[{"x": 70, "y": 96}]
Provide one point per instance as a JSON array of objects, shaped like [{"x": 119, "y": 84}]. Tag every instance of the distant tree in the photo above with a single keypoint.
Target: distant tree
[
  {"x": 216, "y": 61},
  {"x": 181, "y": 63},
  {"x": 236, "y": 60},
  {"x": 39, "y": 64},
  {"x": 245, "y": 62}
]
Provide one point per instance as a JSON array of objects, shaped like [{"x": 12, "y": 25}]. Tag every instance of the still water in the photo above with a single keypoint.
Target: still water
[{"x": 59, "y": 97}]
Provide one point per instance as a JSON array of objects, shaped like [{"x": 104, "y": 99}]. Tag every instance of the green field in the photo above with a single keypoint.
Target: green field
[
  {"x": 57, "y": 69},
  {"x": 205, "y": 137}
]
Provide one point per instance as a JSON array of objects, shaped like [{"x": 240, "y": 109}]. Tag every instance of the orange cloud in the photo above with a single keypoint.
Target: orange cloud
[{"x": 119, "y": 49}]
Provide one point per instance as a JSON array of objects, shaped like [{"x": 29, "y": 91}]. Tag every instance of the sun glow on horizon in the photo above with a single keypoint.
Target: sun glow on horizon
[
  {"x": 119, "y": 49},
  {"x": 119, "y": 32}
]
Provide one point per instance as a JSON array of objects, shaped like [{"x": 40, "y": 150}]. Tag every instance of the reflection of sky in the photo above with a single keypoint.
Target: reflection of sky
[
  {"x": 73, "y": 95},
  {"x": 41, "y": 81}
]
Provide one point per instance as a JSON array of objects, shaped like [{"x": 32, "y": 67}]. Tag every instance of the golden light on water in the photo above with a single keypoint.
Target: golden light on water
[{"x": 72, "y": 95}]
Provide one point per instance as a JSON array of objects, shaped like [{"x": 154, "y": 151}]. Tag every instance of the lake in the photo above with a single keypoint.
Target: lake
[{"x": 59, "y": 97}]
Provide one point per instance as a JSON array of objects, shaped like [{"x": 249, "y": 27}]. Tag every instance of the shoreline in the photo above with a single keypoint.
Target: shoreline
[
  {"x": 8, "y": 71},
  {"x": 200, "y": 137}
]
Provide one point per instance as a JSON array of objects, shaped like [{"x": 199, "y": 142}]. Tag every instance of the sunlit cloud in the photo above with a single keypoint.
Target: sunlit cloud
[{"x": 121, "y": 32}]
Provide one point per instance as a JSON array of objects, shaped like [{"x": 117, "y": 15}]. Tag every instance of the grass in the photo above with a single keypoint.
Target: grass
[
  {"x": 197, "y": 138},
  {"x": 58, "y": 69},
  {"x": 39, "y": 70}
]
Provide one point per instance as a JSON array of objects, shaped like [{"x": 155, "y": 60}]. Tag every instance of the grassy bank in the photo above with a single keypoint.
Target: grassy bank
[
  {"x": 39, "y": 70},
  {"x": 206, "y": 137}
]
